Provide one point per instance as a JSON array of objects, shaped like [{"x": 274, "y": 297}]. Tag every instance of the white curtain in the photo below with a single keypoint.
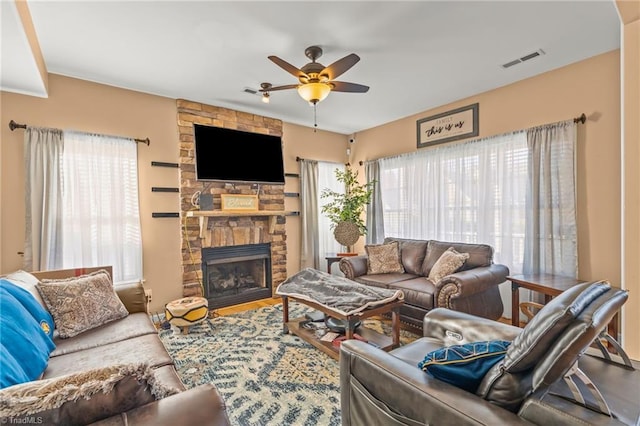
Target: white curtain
[
  {"x": 101, "y": 222},
  {"x": 375, "y": 214},
  {"x": 309, "y": 247},
  {"x": 472, "y": 192},
  {"x": 317, "y": 239},
  {"x": 551, "y": 245},
  {"x": 327, "y": 243},
  {"x": 43, "y": 191}
]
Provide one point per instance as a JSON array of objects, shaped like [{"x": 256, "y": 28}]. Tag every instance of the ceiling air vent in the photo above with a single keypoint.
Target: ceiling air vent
[
  {"x": 250, "y": 91},
  {"x": 531, "y": 55}
]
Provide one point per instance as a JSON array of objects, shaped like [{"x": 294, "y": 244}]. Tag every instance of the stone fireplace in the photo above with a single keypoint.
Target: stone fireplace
[
  {"x": 224, "y": 232},
  {"x": 236, "y": 274}
]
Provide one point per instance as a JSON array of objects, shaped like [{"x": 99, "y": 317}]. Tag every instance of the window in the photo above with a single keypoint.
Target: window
[
  {"x": 100, "y": 220},
  {"x": 473, "y": 192},
  {"x": 327, "y": 179}
]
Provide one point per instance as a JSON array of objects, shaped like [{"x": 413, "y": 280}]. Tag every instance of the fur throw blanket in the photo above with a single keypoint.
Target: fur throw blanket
[{"x": 336, "y": 293}]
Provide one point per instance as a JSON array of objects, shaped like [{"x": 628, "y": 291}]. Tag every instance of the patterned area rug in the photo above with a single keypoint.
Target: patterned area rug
[{"x": 266, "y": 378}]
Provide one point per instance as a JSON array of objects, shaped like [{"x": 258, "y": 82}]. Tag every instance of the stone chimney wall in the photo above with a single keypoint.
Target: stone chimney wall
[{"x": 226, "y": 230}]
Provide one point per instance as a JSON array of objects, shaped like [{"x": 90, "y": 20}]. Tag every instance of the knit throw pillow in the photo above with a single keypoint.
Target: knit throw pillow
[
  {"x": 384, "y": 258},
  {"x": 447, "y": 264},
  {"x": 81, "y": 303}
]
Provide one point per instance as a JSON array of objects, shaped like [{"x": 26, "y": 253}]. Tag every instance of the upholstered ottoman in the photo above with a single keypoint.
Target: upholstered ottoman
[{"x": 186, "y": 312}]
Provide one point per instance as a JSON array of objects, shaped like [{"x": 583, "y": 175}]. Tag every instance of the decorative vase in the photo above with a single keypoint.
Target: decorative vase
[{"x": 346, "y": 233}]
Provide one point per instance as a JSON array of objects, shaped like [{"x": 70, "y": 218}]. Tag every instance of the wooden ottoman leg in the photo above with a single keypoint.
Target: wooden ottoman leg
[{"x": 285, "y": 314}]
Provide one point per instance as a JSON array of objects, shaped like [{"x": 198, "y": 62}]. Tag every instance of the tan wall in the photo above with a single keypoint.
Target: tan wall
[
  {"x": 630, "y": 16},
  {"x": 86, "y": 106},
  {"x": 303, "y": 142},
  {"x": 591, "y": 86}
]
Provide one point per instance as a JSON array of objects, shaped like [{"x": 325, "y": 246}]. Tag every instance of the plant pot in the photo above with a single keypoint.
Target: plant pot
[{"x": 346, "y": 233}]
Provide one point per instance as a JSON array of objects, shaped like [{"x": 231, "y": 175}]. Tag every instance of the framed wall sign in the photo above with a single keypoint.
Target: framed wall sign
[
  {"x": 239, "y": 203},
  {"x": 448, "y": 126}
]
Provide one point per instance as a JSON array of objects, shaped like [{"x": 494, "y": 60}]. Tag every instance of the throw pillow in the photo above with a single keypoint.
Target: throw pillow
[
  {"x": 24, "y": 346},
  {"x": 447, "y": 264},
  {"x": 465, "y": 365},
  {"x": 384, "y": 258},
  {"x": 81, "y": 303},
  {"x": 85, "y": 397}
]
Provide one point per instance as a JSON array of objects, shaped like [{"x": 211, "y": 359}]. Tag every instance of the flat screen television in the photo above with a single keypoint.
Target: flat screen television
[{"x": 236, "y": 156}]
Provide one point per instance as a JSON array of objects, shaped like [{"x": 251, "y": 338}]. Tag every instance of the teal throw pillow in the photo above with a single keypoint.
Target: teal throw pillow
[{"x": 465, "y": 365}]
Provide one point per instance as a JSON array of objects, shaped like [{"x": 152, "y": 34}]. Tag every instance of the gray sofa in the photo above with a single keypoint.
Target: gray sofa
[
  {"x": 527, "y": 387},
  {"x": 473, "y": 289},
  {"x": 132, "y": 340}
]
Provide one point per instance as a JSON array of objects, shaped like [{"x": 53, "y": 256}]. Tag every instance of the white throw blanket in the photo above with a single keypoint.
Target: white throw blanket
[{"x": 336, "y": 293}]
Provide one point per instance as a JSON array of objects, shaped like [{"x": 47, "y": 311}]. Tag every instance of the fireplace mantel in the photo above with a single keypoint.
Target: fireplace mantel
[{"x": 204, "y": 215}]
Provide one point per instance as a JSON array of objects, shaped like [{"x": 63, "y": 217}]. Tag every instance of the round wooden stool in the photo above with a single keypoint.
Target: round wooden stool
[{"x": 186, "y": 312}]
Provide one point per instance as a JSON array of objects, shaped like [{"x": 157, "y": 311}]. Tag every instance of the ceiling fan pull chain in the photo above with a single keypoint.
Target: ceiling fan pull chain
[{"x": 315, "y": 120}]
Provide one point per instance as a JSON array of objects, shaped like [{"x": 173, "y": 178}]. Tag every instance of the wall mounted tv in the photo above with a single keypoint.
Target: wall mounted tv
[{"x": 235, "y": 156}]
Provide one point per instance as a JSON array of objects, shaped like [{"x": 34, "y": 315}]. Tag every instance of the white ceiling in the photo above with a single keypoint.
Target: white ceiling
[{"x": 415, "y": 55}]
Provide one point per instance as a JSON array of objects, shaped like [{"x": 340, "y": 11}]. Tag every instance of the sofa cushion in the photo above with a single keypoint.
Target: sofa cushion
[
  {"x": 509, "y": 382},
  {"x": 383, "y": 280},
  {"x": 82, "y": 303},
  {"x": 147, "y": 349},
  {"x": 85, "y": 397},
  {"x": 418, "y": 291},
  {"x": 450, "y": 261},
  {"x": 543, "y": 329},
  {"x": 479, "y": 254},
  {"x": 383, "y": 258},
  {"x": 412, "y": 253},
  {"x": 464, "y": 365},
  {"x": 133, "y": 325}
]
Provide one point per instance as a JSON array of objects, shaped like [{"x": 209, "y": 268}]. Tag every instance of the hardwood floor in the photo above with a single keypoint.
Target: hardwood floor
[{"x": 228, "y": 310}]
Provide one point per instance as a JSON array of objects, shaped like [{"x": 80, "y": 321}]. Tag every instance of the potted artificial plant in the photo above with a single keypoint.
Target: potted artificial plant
[{"x": 345, "y": 209}]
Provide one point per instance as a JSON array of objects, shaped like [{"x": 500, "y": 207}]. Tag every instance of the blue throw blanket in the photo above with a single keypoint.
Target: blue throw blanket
[{"x": 25, "y": 343}]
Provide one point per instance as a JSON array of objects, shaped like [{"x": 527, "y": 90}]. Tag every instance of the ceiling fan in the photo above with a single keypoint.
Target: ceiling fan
[{"x": 315, "y": 80}]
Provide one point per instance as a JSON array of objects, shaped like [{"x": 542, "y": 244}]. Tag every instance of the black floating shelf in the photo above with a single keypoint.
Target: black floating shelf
[
  {"x": 291, "y": 175},
  {"x": 292, "y": 214},
  {"x": 291, "y": 194},
  {"x": 162, "y": 189},
  {"x": 165, "y": 214},
  {"x": 161, "y": 164}
]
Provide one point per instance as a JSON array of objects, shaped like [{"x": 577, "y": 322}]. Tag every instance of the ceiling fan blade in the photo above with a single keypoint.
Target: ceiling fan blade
[
  {"x": 340, "y": 66},
  {"x": 287, "y": 67},
  {"x": 274, "y": 88},
  {"x": 341, "y": 86}
]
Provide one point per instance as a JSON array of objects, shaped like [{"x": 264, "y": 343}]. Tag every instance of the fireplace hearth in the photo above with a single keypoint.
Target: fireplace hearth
[{"x": 236, "y": 274}]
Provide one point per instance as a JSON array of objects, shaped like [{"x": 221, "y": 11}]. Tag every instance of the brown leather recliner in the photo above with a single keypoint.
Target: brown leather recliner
[
  {"x": 388, "y": 388},
  {"x": 473, "y": 289}
]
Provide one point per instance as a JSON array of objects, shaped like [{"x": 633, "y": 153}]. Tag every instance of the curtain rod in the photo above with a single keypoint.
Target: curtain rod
[
  {"x": 581, "y": 119},
  {"x": 298, "y": 159},
  {"x": 13, "y": 125}
]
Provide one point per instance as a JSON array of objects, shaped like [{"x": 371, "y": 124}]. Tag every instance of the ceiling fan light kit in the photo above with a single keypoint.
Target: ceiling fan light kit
[
  {"x": 316, "y": 80},
  {"x": 314, "y": 92}
]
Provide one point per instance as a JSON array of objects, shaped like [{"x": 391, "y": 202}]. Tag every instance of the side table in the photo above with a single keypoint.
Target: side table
[
  {"x": 547, "y": 284},
  {"x": 332, "y": 258}
]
